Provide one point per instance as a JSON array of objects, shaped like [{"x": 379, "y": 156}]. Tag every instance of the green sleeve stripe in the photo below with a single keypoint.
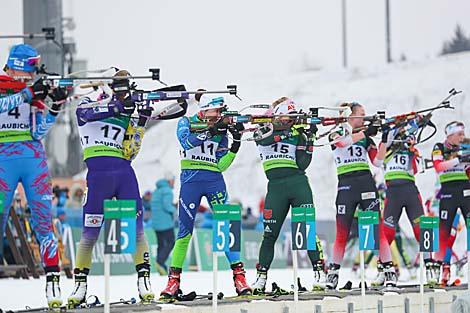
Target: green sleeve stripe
[
  {"x": 452, "y": 177},
  {"x": 96, "y": 151},
  {"x": 352, "y": 168},
  {"x": 226, "y": 161},
  {"x": 279, "y": 163},
  {"x": 15, "y": 135},
  {"x": 399, "y": 175},
  {"x": 198, "y": 165}
]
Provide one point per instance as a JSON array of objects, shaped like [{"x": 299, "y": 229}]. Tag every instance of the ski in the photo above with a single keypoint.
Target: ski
[{"x": 67, "y": 307}]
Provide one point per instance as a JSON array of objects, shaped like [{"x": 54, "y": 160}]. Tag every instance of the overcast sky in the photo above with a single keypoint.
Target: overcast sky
[{"x": 214, "y": 40}]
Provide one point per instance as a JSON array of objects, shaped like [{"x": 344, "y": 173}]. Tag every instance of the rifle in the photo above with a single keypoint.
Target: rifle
[
  {"x": 464, "y": 149},
  {"x": 143, "y": 97},
  {"x": 261, "y": 125},
  {"x": 48, "y": 33},
  {"x": 408, "y": 128},
  {"x": 93, "y": 83},
  {"x": 412, "y": 124},
  {"x": 70, "y": 80}
]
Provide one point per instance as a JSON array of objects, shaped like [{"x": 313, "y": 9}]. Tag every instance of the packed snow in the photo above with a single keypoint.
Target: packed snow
[{"x": 18, "y": 293}]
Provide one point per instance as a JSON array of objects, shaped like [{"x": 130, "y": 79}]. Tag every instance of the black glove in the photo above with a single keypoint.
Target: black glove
[
  {"x": 235, "y": 130},
  {"x": 311, "y": 131},
  {"x": 128, "y": 106},
  {"x": 371, "y": 131},
  {"x": 464, "y": 158},
  {"x": 58, "y": 94},
  {"x": 144, "y": 115},
  {"x": 235, "y": 146},
  {"x": 40, "y": 90},
  {"x": 385, "y": 130},
  {"x": 220, "y": 128}
]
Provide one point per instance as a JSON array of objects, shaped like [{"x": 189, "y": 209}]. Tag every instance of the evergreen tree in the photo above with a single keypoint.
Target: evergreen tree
[{"x": 458, "y": 43}]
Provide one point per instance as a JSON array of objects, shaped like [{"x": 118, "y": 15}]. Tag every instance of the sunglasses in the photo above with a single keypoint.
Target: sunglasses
[{"x": 34, "y": 61}]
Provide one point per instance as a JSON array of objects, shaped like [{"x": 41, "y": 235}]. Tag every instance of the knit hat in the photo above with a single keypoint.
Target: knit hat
[{"x": 23, "y": 58}]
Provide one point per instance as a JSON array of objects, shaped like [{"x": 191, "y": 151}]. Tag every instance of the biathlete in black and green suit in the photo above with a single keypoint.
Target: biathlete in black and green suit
[{"x": 285, "y": 155}]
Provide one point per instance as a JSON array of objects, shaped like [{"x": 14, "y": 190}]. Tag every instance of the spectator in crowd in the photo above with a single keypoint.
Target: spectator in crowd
[
  {"x": 199, "y": 218},
  {"x": 207, "y": 220},
  {"x": 60, "y": 221},
  {"x": 146, "y": 198},
  {"x": 249, "y": 221},
  {"x": 76, "y": 197},
  {"x": 60, "y": 196},
  {"x": 163, "y": 210}
]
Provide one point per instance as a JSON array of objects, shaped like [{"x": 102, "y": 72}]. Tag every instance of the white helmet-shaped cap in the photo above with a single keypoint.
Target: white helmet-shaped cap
[
  {"x": 284, "y": 105},
  {"x": 207, "y": 102}
]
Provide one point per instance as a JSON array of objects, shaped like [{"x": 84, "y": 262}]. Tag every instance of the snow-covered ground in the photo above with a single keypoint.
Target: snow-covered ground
[{"x": 18, "y": 293}]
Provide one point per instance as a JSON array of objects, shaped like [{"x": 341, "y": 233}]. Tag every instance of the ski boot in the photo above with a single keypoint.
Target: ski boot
[
  {"x": 433, "y": 270},
  {"x": 143, "y": 283},
  {"x": 445, "y": 277},
  {"x": 78, "y": 295},
  {"x": 239, "y": 280},
  {"x": 53, "y": 297},
  {"x": 319, "y": 275},
  {"x": 259, "y": 285},
  {"x": 380, "y": 279},
  {"x": 333, "y": 276},
  {"x": 390, "y": 276},
  {"x": 173, "y": 285}
]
